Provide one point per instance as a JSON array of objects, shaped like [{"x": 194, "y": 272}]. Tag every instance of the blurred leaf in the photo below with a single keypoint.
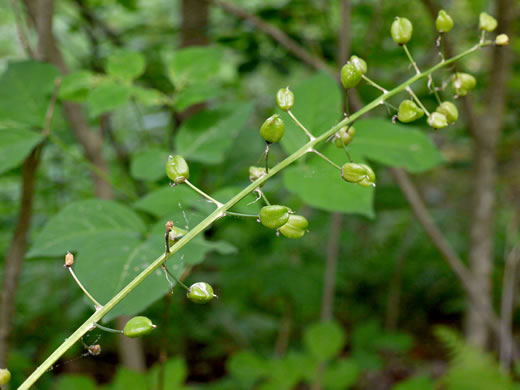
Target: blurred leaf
[
  {"x": 194, "y": 94},
  {"x": 149, "y": 96},
  {"x": 195, "y": 64},
  {"x": 125, "y": 64},
  {"x": 75, "y": 382},
  {"x": 324, "y": 340},
  {"x": 395, "y": 342},
  {"x": 208, "y": 135},
  {"x": 415, "y": 383},
  {"x": 173, "y": 201},
  {"x": 25, "y": 91},
  {"x": 247, "y": 367},
  {"x": 107, "y": 96},
  {"x": 75, "y": 86},
  {"x": 341, "y": 375},
  {"x": 15, "y": 145},
  {"x": 286, "y": 372},
  {"x": 126, "y": 379},
  {"x": 175, "y": 373},
  {"x": 149, "y": 165}
]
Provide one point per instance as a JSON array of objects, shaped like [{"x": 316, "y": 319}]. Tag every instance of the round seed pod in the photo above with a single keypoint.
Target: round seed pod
[
  {"x": 358, "y": 173},
  {"x": 285, "y": 99},
  {"x": 5, "y": 376},
  {"x": 401, "y": 30},
  {"x": 138, "y": 326},
  {"x": 344, "y": 136},
  {"x": 437, "y": 120},
  {"x": 502, "y": 40},
  {"x": 177, "y": 169},
  {"x": 370, "y": 177},
  {"x": 444, "y": 22},
  {"x": 487, "y": 22},
  {"x": 272, "y": 129},
  {"x": 274, "y": 216},
  {"x": 359, "y": 64},
  {"x": 462, "y": 83},
  {"x": 449, "y": 110},
  {"x": 200, "y": 292},
  {"x": 350, "y": 76},
  {"x": 409, "y": 111},
  {"x": 295, "y": 227}
]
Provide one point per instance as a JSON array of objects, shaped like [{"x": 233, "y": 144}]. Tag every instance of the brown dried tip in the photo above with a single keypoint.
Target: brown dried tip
[
  {"x": 69, "y": 260},
  {"x": 94, "y": 350},
  {"x": 169, "y": 226}
]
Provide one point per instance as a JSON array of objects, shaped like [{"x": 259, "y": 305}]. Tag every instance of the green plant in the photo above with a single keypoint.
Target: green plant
[{"x": 138, "y": 326}]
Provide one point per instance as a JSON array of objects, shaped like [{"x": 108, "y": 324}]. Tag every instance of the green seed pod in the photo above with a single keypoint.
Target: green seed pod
[
  {"x": 444, "y": 22},
  {"x": 370, "y": 177},
  {"x": 359, "y": 64},
  {"x": 449, "y": 110},
  {"x": 437, "y": 120},
  {"x": 409, "y": 111},
  {"x": 295, "y": 227},
  {"x": 401, "y": 30},
  {"x": 358, "y": 173},
  {"x": 200, "y": 293},
  {"x": 177, "y": 169},
  {"x": 138, "y": 326},
  {"x": 285, "y": 99},
  {"x": 350, "y": 76},
  {"x": 272, "y": 130},
  {"x": 175, "y": 234},
  {"x": 502, "y": 40},
  {"x": 487, "y": 22},
  {"x": 5, "y": 376},
  {"x": 274, "y": 216},
  {"x": 344, "y": 136},
  {"x": 462, "y": 83}
]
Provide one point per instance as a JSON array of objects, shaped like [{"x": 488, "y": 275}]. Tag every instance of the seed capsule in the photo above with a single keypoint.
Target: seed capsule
[
  {"x": 138, "y": 326},
  {"x": 200, "y": 292},
  {"x": 295, "y": 227},
  {"x": 359, "y": 64},
  {"x": 360, "y": 174},
  {"x": 274, "y": 216},
  {"x": 444, "y": 22},
  {"x": 401, "y": 30},
  {"x": 502, "y": 40},
  {"x": 344, "y": 136},
  {"x": 369, "y": 180},
  {"x": 487, "y": 22},
  {"x": 5, "y": 376},
  {"x": 69, "y": 260},
  {"x": 285, "y": 99},
  {"x": 350, "y": 76},
  {"x": 449, "y": 110},
  {"x": 272, "y": 129},
  {"x": 462, "y": 83},
  {"x": 175, "y": 234},
  {"x": 409, "y": 111},
  {"x": 437, "y": 120},
  {"x": 177, "y": 169}
]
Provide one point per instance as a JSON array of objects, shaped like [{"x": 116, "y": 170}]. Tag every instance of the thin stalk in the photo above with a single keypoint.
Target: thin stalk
[
  {"x": 264, "y": 198},
  {"x": 374, "y": 84},
  {"x": 96, "y": 303},
  {"x": 202, "y": 193},
  {"x": 409, "y": 55},
  {"x": 218, "y": 213},
  {"x": 326, "y": 159},
  {"x": 311, "y": 137},
  {"x": 241, "y": 215},
  {"x": 165, "y": 268},
  {"x": 346, "y": 151},
  {"x": 110, "y": 330},
  {"x": 414, "y": 96}
]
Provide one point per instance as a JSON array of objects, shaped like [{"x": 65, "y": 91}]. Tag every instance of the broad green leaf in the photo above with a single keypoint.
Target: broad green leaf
[
  {"x": 15, "y": 145},
  {"x": 127, "y": 379},
  {"x": 321, "y": 185},
  {"x": 247, "y": 367},
  {"x": 25, "y": 91},
  {"x": 126, "y": 64},
  {"x": 175, "y": 373},
  {"x": 193, "y": 94},
  {"x": 324, "y": 340},
  {"x": 289, "y": 370},
  {"x": 317, "y": 105},
  {"x": 415, "y": 383},
  {"x": 195, "y": 64},
  {"x": 82, "y": 222},
  {"x": 341, "y": 375},
  {"x": 149, "y": 165},
  {"x": 149, "y": 96},
  {"x": 75, "y": 86},
  {"x": 75, "y": 382},
  {"x": 107, "y": 96},
  {"x": 395, "y": 145},
  {"x": 170, "y": 201},
  {"x": 208, "y": 135}
]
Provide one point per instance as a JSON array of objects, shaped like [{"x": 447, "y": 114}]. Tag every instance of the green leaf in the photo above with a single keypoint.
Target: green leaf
[
  {"x": 149, "y": 96},
  {"x": 170, "y": 201},
  {"x": 175, "y": 373},
  {"x": 126, "y": 64},
  {"x": 82, "y": 222},
  {"x": 324, "y": 340},
  {"x": 25, "y": 91},
  {"x": 247, "y": 367},
  {"x": 194, "y": 94},
  {"x": 341, "y": 375},
  {"x": 415, "y": 383},
  {"x": 107, "y": 96},
  {"x": 75, "y": 86},
  {"x": 317, "y": 105},
  {"x": 75, "y": 382},
  {"x": 395, "y": 145},
  {"x": 15, "y": 145},
  {"x": 149, "y": 165},
  {"x": 321, "y": 185},
  {"x": 127, "y": 379},
  {"x": 195, "y": 64},
  {"x": 208, "y": 135}
]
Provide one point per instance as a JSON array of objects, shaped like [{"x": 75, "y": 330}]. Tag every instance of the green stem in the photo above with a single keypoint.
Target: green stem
[
  {"x": 96, "y": 303},
  {"x": 264, "y": 197},
  {"x": 311, "y": 137},
  {"x": 409, "y": 55},
  {"x": 374, "y": 84},
  {"x": 202, "y": 193},
  {"x": 219, "y": 212},
  {"x": 164, "y": 267},
  {"x": 417, "y": 100},
  {"x": 110, "y": 330},
  {"x": 241, "y": 215},
  {"x": 326, "y": 159}
]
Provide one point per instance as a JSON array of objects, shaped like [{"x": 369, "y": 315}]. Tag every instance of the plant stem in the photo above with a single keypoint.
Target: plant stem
[
  {"x": 241, "y": 215},
  {"x": 327, "y": 159},
  {"x": 165, "y": 268},
  {"x": 202, "y": 193},
  {"x": 411, "y": 59},
  {"x": 414, "y": 96},
  {"x": 96, "y": 303},
  {"x": 311, "y": 137},
  {"x": 110, "y": 330},
  {"x": 374, "y": 84},
  {"x": 264, "y": 197},
  {"x": 218, "y": 213}
]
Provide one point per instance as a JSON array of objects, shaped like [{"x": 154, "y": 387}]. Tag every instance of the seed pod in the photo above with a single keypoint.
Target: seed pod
[
  {"x": 359, "y": 64},
  {"x": 502, "y": 40},
  {"x": 487, "y": 22},
  {"x": 285, "y": 99},
  {"x": 295, "y": 227},
  {"x": 401, "y": 30},
  {"x": 175, "y": 234},
  {"x": 409, "y": 111},
  {"x": 200, "y": 292},
  {"x": 256, "y": 173},
  {"x": 344, "y": 136},
  {"x": 138, "y": 326},
  {"x": 444, "y": 22},
  {"x": 69, "y": 260},
  {"x": 449, "y": 110},
  {"x": 272, "y": 129},
  {"x": 370, "y": 177},
  {"x": 437, "y": 120},
  {"x": 462, "y": 83},
  {"x": 5, "y": 376},
  {"x": 350, "y": 76},
  {"x": 358, "y": 173},
  {"x": 274, "y": 216},
  {"x": 177, "y": 169}
]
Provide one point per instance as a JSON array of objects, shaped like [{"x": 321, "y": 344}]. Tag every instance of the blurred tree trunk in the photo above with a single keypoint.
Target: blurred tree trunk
[{"x": 195, "y": 23}]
